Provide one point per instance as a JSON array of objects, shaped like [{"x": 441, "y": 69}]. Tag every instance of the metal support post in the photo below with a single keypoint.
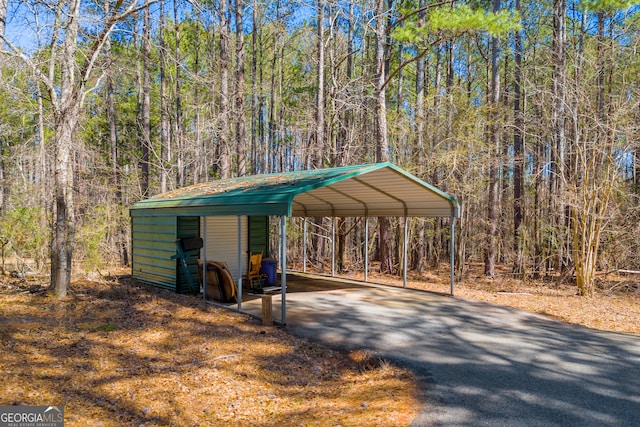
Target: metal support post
[
  {"x": 239, "y": 262},
  {"x": 283, "y": 266},
  {"x": 366, "y": 249},
  {"x": 333, "y": 246},
  {"x": 404, "y": 251},
  {"x": 304, "y": 246}
]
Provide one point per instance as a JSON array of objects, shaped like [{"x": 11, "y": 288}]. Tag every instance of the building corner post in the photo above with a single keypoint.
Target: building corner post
[
  {"x": 405, "y": 252},
  {"x": 304, "y": 246},
  {"x": 366, "y": 249}
]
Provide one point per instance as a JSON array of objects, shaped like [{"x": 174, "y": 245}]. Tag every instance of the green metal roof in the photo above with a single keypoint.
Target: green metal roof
[{"x": 380, "y": 189}]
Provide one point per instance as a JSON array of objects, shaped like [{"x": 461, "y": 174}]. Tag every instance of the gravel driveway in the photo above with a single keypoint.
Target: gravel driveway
[{"x": 481, "y": 364}]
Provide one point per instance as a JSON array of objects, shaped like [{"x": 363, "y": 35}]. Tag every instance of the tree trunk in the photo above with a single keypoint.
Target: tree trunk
[
  {"x": 3, "y": 21},
  {"x": 558, "y": 128},
  {"x": 342, "y": 145},
  {"x": 66, "y": 119},
  {"x": 254, "y": 91},
  {"x": 518, "y": 155},
  {"x": 200, "y": 162},
  {"x": 341, "y": 236},
  {"x": 4, "y": 187},
  {"x": 113, "y": 134},
  {"x": 119, "y": 238},
  {"x": 165, "y": 159},
  {"x": 538, "y": 210},
  {"x": 435, "y": 140},
  {"x": 272, "y": 143},
  {"x": 223, "y": 128},
  {"x": 345, "y": 143},
  {"x": 44, "y": 175},
  {"x": 318, "y": 143},
  {"x": 178, "y": 136},
  {"x": 419, "y": 158},
  {"x": 382, "y": 146},
  {"x": 400, "y": 85},
  {"x": 144, "y": 127},
  {"x": 494, "y": 179},
  {"x": 241, "y": 144},
  {"x": 64, "y": 218}
]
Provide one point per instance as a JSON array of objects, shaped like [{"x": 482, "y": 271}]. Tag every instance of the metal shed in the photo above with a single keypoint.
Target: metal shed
[{"x": 372, "y": 190}]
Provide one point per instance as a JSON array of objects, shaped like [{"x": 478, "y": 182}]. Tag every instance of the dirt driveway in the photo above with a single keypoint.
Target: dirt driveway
[{"x": 481, "y": 364}]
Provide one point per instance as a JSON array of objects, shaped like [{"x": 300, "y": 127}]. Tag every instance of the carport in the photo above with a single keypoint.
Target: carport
[{"x": 373, "y": 190}]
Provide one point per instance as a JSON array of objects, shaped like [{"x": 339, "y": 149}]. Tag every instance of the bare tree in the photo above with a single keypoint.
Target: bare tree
[
  {"x": 494, "y": 156},
  {"x": 419, "y": 253},
  {"x": 558, "y": 161},
  {"x": 121, "y": 231},
  {"x": 4, "y": 187},
  {"x": 178, "y": 136},
  {"x": 518, "y": 154},
  {"x": 3, "y": 20},
  {"x": 165, "y": 144},
  {"x": 67, "y": 90},
  {"x": 313, "y": 156},
  {"x": 382, "y": 146},
  {"x": 318, "y": 142},
  {"x": 254, "y": 87},
  {"x": 225, "y": 150},
  {"x": 241, "y": 143},
  {"x": 144, "y": 113},
  {"x": 200, "y": 169}
]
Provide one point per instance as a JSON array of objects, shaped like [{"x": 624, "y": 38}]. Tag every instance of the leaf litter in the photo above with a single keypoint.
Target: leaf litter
[{"x": 116, "y": 353}]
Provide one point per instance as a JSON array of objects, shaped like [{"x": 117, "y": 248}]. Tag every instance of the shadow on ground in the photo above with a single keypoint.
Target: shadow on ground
[{"x": 482, "y": 364}]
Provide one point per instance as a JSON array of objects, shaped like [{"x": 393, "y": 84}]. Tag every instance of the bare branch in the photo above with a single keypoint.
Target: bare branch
[
  {"x": 15, "y": 52},
  {"x": 110, "y": 23},
  {"x": 412, "y": 60}
]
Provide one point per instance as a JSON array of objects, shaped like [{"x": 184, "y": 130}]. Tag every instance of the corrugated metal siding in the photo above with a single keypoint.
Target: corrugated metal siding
[
  {"x": 187, "y": 227},
  {"x": 222, "y": 242},
  {"x": 152, "y": 245}
]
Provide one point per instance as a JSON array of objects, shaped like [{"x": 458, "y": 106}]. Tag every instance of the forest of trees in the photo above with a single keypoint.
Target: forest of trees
[{"x": 527, "y": 112}]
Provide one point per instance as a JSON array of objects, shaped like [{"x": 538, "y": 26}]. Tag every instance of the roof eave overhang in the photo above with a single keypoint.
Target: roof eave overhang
[
  {"x": 449, "y": 206},
  {"x": 319, "y": 198}
]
